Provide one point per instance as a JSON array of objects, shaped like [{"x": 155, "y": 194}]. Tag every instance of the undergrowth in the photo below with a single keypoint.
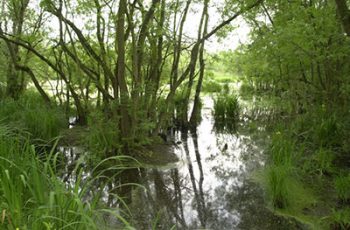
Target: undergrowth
[{"x": 32, "y": 196}]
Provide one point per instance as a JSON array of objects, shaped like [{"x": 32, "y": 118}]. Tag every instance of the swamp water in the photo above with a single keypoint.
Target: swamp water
[{"x": 210, "y": 187}]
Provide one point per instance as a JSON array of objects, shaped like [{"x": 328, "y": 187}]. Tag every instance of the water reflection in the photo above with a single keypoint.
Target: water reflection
[{"x": 209, "y": 188}]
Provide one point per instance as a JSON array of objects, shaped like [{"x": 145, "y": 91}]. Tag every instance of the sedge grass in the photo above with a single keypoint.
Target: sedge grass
[
  {"x": 32, "y": 196},
  {"x": 31, "y": 114}
]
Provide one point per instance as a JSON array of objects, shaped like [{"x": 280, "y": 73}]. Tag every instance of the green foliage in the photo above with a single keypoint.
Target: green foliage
[
  {"x": 324, "y": 160},
  {"x": 340, "y": 219},
  {"x": 279, "y": 172},
  {"x": 103, "y": 136},
  {"x": 327, "y": 133},
  {"x": 211, "y": 87},
  {"x": 32, "y": 196},
  {"x": 31, "y": 114},
  {"x": 220, "y": 108},
  {"x": 226, "y": 108},
  {"x": 277, "y": 185},
  {"x": 342, "y": 187},
  {"x": 226, "y": 112},
  {"x": 282, "y": 149}
]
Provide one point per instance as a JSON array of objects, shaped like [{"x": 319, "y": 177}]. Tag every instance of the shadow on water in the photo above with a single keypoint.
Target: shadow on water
[{"x": 210, "y": 187}]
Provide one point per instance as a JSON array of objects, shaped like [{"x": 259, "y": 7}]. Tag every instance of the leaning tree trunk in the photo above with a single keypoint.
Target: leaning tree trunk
[{"x": 195, "y": 116}]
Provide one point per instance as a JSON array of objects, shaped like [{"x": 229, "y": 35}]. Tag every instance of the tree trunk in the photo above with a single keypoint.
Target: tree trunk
[
  {"x": 125, "y": 122},
  {"x": 344, "y": 15},
  {"x": 195, "y": 116}
]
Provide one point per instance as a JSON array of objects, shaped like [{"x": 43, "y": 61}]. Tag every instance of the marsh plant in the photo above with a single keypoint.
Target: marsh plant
[
  {"x": 342, "y": 187},
  {"x": 32, "y": 196},
  {"x": 211, "y": 86},
  {"x": 226, "y": 112},
  {"x": 278, "y": 185},
  {"x": 279, "y": 171},
  {"x": 103, "y": 136},
  {"x": 340, "y": 219},
  {"x": 32, "y": 115}
]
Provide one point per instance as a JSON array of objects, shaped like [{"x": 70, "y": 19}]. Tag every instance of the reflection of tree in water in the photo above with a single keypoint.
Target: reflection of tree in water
[
  {"x": 211, "y": 191},
  {"x": 198, "y": 192},
  {"x": 246, "y": 199}
]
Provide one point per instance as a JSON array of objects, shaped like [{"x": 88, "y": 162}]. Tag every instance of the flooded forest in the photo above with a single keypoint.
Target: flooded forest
[{"x": 174, "y": 114}]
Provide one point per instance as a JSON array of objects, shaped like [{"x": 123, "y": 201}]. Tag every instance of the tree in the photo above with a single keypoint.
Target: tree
[{"x": 123, "y": 54}]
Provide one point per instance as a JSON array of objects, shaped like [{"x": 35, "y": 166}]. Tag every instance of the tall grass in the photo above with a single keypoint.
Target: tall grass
[
  {"x": 103, "y": 136},
  {"x": 279, "y": 171},
  {"x": 342, "y": 187},
  {"x": 211, "y": 86},
  {"x": 302, "y": 175},
  {"x": 31, "y": 114},
  {"x": 33, "y": 197},
  {"x": 226, "y": 107},
  {"x": 278, "y": 185}
]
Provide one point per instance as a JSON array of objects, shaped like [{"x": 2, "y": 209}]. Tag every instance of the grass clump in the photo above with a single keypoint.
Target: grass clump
[
  {"x": 226, "y": 112},
  {"x": 340, "y": 219},
  {"x": 280, "y": 169},
  {"x": 32, "y": 196},
  {"x": 342, "y": 187},
  {"x": 211, "y": 86},
  {"x": 278, "y": 186},
  {"x": 103, "y": 136},
  {"x": 226, "y": 108},
  {"x": 324, "y": 161},
  {"x": 31, "y": 114}
]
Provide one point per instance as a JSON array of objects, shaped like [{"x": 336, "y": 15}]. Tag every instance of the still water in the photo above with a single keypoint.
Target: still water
[{"x": 209, "y": 187}]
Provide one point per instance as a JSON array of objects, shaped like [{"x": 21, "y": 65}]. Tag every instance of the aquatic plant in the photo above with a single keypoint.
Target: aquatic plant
[
  {"x": 281, "y": 149},
  {"x": 220, "y": 108},
  {"x": 277, "y": 185},
  {"x": 226, "y": 108}
]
